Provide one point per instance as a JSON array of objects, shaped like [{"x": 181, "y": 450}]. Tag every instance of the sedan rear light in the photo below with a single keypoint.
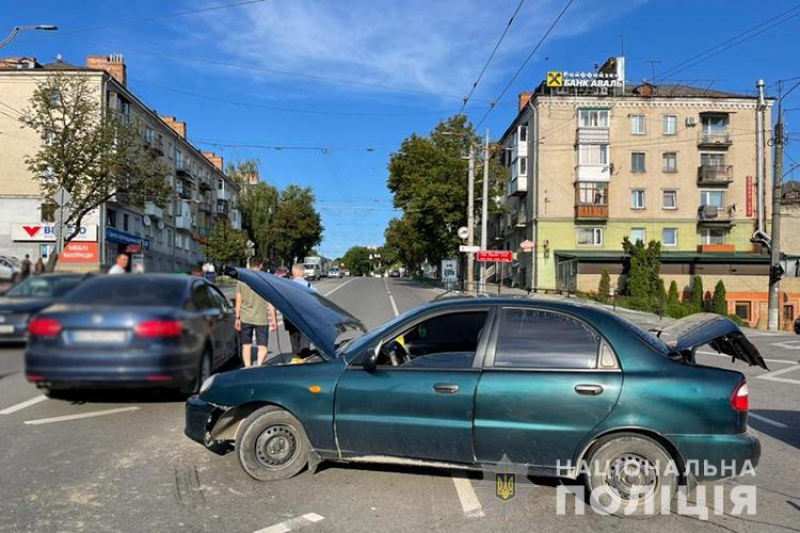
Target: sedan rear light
[
  {"x": 44, "y": 327},
  {"x": 152, "y": 329},
  {"x": 740, "y": 400}
]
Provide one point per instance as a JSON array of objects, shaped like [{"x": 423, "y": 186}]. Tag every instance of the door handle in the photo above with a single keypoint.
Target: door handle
[
  {"x": 445, "y": 388},
  {"x": 589, "y": 390}
]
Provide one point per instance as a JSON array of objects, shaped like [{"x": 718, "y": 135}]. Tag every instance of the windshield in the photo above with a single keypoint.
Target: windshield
[
  {"x": 44, "y": 287},
  {"x": 362, "y": 341},
  {"x": 129, "y": 290}
]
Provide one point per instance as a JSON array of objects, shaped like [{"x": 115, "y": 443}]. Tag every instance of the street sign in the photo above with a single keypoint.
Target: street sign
[
  {"x": 469, "y": 249},
  {"x": 463, "y": 232},
  {"x": 62, "y": 197},
  {"x": 526, "y": 245},
  {"x": 496, "y": 256}
]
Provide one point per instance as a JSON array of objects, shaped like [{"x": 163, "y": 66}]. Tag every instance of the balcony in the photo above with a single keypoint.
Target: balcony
[
  {"x": 518, "y": 186},
  {"x": 182, "y": 168},
  {"x": 152, "y": 210},
  {"x": 712, "y": 215},
  {"x": 714, "y": 139},
  {"x": 714, "y": 175},
  {"x": 593, "y": 172},
  {"x": 223, "y": 208},
  {"x": 591, "y": 136},
  {"x": 183, "y": 222},
  {"x": 591, "y": 212},
  {"x": 519, "y": 219},
  {"x": 591, "y": 201}
]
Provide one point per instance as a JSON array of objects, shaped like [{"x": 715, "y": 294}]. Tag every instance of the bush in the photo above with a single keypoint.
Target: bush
[
  {"x": 674, "y": 296},
  {"x": 737, "y": 319},
  {"x": 604, "y": 288},
  {"x": 696, "y": 296},
  {"x": 719, "y": 302},
  {"x": 677, "y": 310}
]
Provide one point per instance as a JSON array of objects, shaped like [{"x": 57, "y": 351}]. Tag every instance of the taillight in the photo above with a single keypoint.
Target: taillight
[
  {"x": 44, "y": 327},
  {"x": 151, "y": 329},
  {"x": 740, "y": 400}
]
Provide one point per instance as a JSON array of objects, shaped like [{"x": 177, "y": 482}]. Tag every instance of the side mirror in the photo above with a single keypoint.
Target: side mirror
[{"x": 371, "y": 362}]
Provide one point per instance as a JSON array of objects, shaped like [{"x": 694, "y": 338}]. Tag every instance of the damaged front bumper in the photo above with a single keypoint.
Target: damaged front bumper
[{"x": 201, "y": 417}]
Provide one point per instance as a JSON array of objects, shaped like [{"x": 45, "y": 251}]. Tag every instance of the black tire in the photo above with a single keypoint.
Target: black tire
[
  {"x": 272, "y": 445},
  {"x": 649, "y": 470},
  {"x": 204, "y": 371}
]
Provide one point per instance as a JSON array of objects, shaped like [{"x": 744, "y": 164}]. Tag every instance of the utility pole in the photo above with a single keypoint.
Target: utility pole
[
  {"x": 471, "y": 220},
  {"x": 775, "y": 270},
  {"x": 760, "y": 159},
  {"x": 485, "y": 210}
]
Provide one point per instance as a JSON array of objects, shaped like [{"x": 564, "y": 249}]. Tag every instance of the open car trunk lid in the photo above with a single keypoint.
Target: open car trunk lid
[
  {"x": 719, "y": 332},
  {"x": 323, "y": 322}
]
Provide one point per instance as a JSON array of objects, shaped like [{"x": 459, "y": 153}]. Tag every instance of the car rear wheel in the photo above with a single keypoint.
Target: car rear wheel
[
  {"x": 203, "y": 373},
  {"x": 630, "y": 475},
  {"x": 272, "y": 445}
]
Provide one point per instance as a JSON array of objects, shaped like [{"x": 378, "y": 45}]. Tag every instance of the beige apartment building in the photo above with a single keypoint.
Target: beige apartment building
[{"x": 169, "y": 239}]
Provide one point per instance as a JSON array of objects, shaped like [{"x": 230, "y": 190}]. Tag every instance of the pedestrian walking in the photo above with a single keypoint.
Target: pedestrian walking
[
  {"x": 209, "y": 271},
  {"x": 38, "y": 268},
  {"x": 254, "y": 316},
  {"x": 299, "y": 341},
  {"x": 25, "y": 267},
  {"x": 121, "y": 265}
]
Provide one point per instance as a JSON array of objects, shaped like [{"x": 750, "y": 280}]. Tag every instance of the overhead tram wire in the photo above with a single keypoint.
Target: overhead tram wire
[
  {"x": 524, "y": 63},
  {"x": 491, "y": 56}
]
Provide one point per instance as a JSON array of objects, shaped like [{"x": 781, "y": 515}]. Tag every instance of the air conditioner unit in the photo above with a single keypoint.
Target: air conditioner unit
[{"x": 691, "y": 121}]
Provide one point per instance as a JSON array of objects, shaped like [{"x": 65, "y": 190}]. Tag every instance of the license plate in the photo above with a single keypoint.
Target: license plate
[
  {"x": 6, "y": 328},
  {"x": 99, "y": 336}
]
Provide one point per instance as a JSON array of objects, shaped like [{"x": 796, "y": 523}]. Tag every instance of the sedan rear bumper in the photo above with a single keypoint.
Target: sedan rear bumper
[{"x": 715, "y": 457}]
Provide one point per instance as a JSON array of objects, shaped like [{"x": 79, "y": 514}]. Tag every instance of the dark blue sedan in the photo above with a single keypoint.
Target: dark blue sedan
[{"x": 132, "y": 331}]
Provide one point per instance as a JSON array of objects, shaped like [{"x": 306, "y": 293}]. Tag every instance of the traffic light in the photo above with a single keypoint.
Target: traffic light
[{"x": 775, "y": 273}]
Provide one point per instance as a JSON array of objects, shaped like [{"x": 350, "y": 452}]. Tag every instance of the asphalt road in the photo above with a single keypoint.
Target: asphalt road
[{"x": 126, "y": 465}]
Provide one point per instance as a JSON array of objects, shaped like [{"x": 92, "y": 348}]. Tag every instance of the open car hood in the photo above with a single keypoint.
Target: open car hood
[
  {"x": 719, "y": 332},
  {"x": 323, "y": 322}
]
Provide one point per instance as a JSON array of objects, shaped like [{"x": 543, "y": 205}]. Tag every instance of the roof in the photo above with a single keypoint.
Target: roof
[
  {"x": 680, "y": 91},
  {"x": 605, "y": 256}
]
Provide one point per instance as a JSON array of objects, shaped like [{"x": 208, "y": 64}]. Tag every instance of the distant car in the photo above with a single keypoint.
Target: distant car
[
  {"x": 345, "y": 272},
  {"x": 394, "y": 274},
  {"x": 27, "y": 298},
  {"x": 335, "y": 272},
  {"x": 311, "y": 271},
  {"x": 797, "y": 326},
  {"x": 9, "y": 269},
  {"x": 148, "y": 330},
  {"x": 282, "y": 272},
  {"x": 556, "y": 388}
]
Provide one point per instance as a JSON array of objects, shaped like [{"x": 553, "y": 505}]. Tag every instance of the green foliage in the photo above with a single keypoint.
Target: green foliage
[
  {"x": 673, "y": 297},
  {"x": 696, "y": 298},
  {"x": 736, "y": 318},
  {"x": 660, "y": 297},
  {"x": 677, "y": 310},
  {"x": 226, "y": 245},
  {"x": 401, "y": 243},
  {"x": 604, "y": 287},
  {"x": 259, "y": 203},
  {"x": 357, "y": 260},
  {"x": 641, "y": 270},
  {"x": 296, "y": 225},
  {"x": 719, "y": 303}
]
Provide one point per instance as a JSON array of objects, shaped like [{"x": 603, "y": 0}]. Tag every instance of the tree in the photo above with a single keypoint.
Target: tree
[
  {"x": 297, "y": 226},
  {"x": 94, "y": 153},
  {"x": 357, "y": 261},
  {"x": 604, "y": 287},
  {"x": 696, "y": 298},
  {"x": 226, "y": 245},
  {"x": 428, "y": 178},
  {"x": 719, "y": 302},
  {"x": 641, "y": 268},
  {"x": 242, "y": 171},
  {"x": 673, "y": 297},
  {"x": 661, "y": 297},
  {"x": 401, "y": 244}
]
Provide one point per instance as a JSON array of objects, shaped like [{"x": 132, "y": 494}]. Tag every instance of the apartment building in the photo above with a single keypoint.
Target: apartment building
[{"x": 169, "y": 239}]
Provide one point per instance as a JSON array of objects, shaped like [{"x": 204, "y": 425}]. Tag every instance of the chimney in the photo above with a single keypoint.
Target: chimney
[
  {"x": 113, "y": 64},
  {"x": 178, "y": 125},
  {"x": 215, "y": 159},
  {"x": 524, "y": 98}
]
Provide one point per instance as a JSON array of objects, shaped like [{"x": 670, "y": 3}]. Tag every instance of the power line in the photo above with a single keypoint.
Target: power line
[
  {"x": 491, "y": 56},
  {"x": 326, "y": 149},
  {"x": 524, "y": 63}
]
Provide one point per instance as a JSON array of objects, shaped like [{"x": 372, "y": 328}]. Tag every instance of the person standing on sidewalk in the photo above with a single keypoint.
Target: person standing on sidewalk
[
  {"x": 254, "y": 316},
  {"x": 25, "y": 267}
]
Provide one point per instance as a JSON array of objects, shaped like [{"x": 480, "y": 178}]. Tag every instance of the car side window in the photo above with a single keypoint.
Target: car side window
[
  {"x": 535, "y": 338},
  {"x": 217, "y": 298},
  {"x": 201, "y": 298}
]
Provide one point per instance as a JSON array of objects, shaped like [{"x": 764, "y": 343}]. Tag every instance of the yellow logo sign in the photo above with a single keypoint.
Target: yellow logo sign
[
  {"x": 505, "y": 486},
  {"x": 555, "y": 78}
]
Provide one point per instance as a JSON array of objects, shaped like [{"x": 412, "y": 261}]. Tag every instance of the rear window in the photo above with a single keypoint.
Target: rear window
[
  {"x": 129, "y": 290},
  {"x": 43, "y": 287}
]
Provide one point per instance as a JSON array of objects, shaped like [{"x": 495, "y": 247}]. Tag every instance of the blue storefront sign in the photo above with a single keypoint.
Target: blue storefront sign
[{"x": 123, "y": 237}]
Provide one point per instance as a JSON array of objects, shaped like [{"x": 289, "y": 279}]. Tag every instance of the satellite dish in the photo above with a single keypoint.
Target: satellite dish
[
  {"x": 160, "y": 224},
  {"x": 146, "y": 220}
]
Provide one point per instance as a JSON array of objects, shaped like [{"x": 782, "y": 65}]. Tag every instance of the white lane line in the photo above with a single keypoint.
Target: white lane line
[
  {"x": 391, "y": 298},
  {"x": 469, "y": 499},
  {"x": 772, "y": 375},
  {"x": 769, "y": 421},
  {"x": 784, "y": 361},
  {"x": 23, "y": 405},
  {"x": 339, "y": 287},
  {"x": 293, "y": 523},
  {"x": 80, "y": 416}
]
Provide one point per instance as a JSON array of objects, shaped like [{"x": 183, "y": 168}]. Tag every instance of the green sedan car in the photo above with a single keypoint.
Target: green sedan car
[{"x": 548, "y": 385}]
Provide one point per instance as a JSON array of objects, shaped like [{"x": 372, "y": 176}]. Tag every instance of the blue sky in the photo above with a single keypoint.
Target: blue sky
[{"x": 346, "y": 81}]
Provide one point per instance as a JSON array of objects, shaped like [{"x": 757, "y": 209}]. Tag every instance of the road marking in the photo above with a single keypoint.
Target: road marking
[
  {"x": 293, "y": 523},
  {"x": 469, "y": 499},
  {"x": 23, "y": 405},
  {"x": 80, "y": 416},
  {"x": 339, "y": 287},
  {"x": 788, "y": 345},
  {"x": 769, "y": 421},
  {"x": 391, "y": 298},
  {"x": 784, "y": 361},
  {"x": 772, "y": 375}
]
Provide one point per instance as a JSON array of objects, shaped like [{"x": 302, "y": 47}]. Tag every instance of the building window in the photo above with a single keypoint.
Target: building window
[
  {"x": 669, "y": 199},
  {"x": 712, "y": 236},
  {"x": 125, "y": 219},
  {"x": 590, "y": 193},
  {"x": 179, "y": 159},
  {"x": 590, "y": 236},
  {"x": 523, "y": 134},
  {"x": 715, "y": 124},
  {"x": 669, "y": 236},
  {"x": 219, "y": 185},
  {"x": 669, "y": 162},
  {"x": 594, "y": 118},
  {"x": 637, "y": 199},
  {"x": 55, "y": 98},
  {"x": 715, "y": 198},
  {"x": 716, "y": 161},
  {"x": 523, "y": 166},
  {"x": 638, "y": 126},
  {"x": 670, "y": 125},
  {"x": 638, "y": 234},
  {"x": 637, "y": 162},
  {"x": 593, "y": 154},
  {"x": 743, "y": 310},
  {"x": 111, "y": 218},
  {"x": 149, "y": 135}
]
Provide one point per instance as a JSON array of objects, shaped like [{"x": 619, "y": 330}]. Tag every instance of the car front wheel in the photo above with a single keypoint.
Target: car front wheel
[
  {"x": 630, "y": 475},
  {"x": 272, "y": 445}
]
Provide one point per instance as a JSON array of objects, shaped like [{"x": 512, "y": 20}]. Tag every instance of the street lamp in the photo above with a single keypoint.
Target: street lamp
[{"x": 16, "y": 31}]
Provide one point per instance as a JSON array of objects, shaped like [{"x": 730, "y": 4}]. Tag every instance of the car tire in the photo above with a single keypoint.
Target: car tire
[
  {"x": 204, "y": 371},
  {"x": 649, "y": 469},
  {"x": 272, "y": 445}
]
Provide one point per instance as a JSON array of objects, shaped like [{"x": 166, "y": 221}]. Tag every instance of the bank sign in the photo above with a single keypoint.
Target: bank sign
[
  {"x": 44, "y": 232},
  {"x": 559, "y": 78}
]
